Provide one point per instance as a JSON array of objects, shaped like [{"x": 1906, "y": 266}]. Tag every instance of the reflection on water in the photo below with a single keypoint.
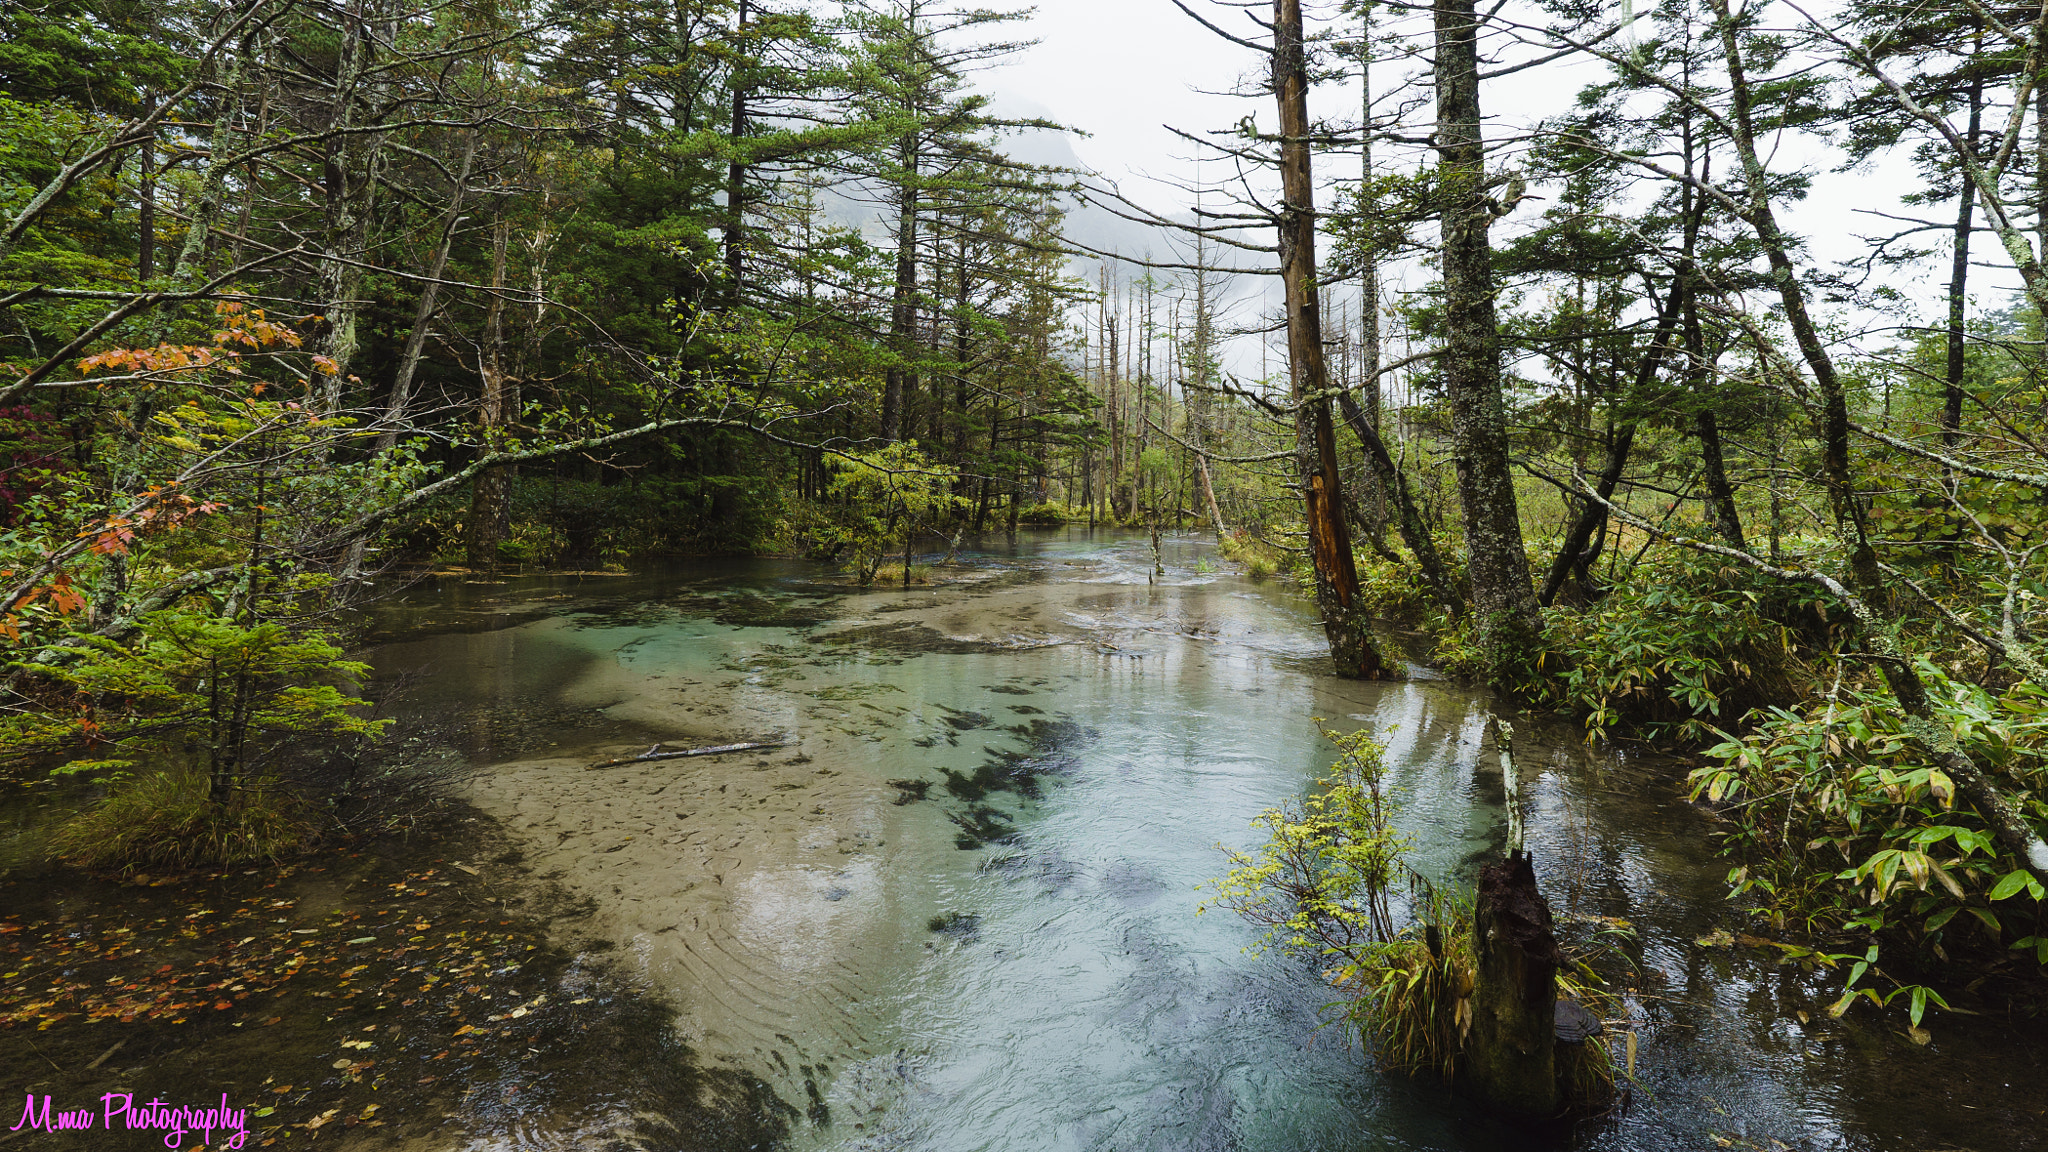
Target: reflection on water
[{"x": 960, "y": 912}]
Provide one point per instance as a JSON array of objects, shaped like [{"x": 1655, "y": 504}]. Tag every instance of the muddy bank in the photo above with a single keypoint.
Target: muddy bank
[{"x": 395, "y": 994}]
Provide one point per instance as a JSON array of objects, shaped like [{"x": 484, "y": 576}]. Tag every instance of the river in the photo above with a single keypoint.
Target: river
[{"x": 958, "y": 911}]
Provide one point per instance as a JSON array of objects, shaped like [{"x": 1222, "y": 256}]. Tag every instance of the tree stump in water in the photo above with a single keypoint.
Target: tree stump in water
[{"x": 1511, "y": 1052}]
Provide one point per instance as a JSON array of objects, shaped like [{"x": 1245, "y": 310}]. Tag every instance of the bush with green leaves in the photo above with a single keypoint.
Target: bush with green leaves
[
  {"x": 1043, "y": 516},
  {"x": 885, "y": 497},
  {"x": 1684, "y": 643},
  {"x": 172, "y": 820},
  {"x": 1396, "y": 591},
  {"x": 1840, "y": 825},
  {"x": 1322, "y": 887}
]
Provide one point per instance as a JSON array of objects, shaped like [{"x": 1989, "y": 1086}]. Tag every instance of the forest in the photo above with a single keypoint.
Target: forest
[{"x": 306, "y": 302}]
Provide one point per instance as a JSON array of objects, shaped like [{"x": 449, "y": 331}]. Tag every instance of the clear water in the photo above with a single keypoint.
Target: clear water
[{"x": 1014, "y": 961}]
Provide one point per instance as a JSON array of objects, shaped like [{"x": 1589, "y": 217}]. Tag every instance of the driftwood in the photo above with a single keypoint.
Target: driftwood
[{"x": 655, "y": 753}]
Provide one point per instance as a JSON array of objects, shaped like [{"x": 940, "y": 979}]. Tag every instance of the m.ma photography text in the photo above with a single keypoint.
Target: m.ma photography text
[{"x": 118, "y": 1111}]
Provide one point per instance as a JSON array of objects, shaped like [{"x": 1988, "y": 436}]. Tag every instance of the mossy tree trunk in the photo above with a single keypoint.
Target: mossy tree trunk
[{"x": 1509, "y": 624}]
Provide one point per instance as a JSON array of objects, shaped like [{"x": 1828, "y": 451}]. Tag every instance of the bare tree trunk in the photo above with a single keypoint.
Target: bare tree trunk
[
  {"x": 1572, "y": 553},
  {"x": 1721, "y": 509},
  {"x": 430, "y": 295},
  {"x": 1198, "y": 399},
  {"x": 1119, "y": 499},
  {"x": 1959, "y": 279},
  {"x": 213, "y": 185},
  {"x": 1408, "y": 516},
  {"x": 1509, "y": 623},
  {"x": 1315, "y": 434},
  {"x": 2041, "y": 185},
  {"x": 960, "y": 349},
  {"x": 903, "y": 307},
  {"x": 1510, "y": 1054},
  {"x": 1369, "y": 351},
  {"x": 490, "y": 493},
  {"x": 1209, "y": 497},
  {"x": 1699, "y": 367},
  {"x": 736, "y": 172},
  {"x": 145, "y": 211},
  {"x": 349, "y": 187}
]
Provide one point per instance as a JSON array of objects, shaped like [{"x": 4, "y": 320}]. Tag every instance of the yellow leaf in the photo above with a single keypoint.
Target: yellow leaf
[{"x": 1944, "y": 789}]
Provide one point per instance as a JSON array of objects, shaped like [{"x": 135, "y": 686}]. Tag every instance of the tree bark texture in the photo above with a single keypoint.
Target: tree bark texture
[
  {"x": 145, "y": 211},
  {"x": 1369, "y": 283},
  {"x": 1509, "y": 623},
  {"x": 1959, "y": 279},
  {"x": 1721, "y": 509},
  {"x": 736, "y": 172},
  {"x": 349, "y": 188},
  {"x": 1315, "y": 435},
  {"x": 429, "y": 302},
  {"x": 900, "y": 381},
  {"x": 1510, "y": 1056}
]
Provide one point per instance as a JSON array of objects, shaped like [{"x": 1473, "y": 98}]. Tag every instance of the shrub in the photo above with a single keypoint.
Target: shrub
[
  {"x": 1414, "y": 1000},
  {"x": 1685, "y": 643},
  {"x": 1396, "y": 591},
  {"x": 892, "y": 573},
  {"x": 1322, "y": 885},
  {"x": 887, "y": 495},
  {"x": 1841, "y": 826},
  {"x": 193, "y": 725},
  {"x": 1259, "y": 559},
  {"x": 1043, "y": 516}
]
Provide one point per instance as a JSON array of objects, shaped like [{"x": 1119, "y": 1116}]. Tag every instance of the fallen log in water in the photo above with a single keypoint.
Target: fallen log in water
[{"x": 655, "y": 753}]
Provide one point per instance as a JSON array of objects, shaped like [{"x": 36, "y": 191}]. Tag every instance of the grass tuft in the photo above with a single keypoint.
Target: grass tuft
[
  {"x": 889, "y": 574},
  {"x": 166, "y": 820}
]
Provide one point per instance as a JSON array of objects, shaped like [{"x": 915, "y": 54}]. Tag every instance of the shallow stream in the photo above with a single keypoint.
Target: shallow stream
[{"x": 958, "y": 910}]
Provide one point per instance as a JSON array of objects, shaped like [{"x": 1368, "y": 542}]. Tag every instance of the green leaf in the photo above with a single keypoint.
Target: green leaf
[{"x": 2012, "y": 883}]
